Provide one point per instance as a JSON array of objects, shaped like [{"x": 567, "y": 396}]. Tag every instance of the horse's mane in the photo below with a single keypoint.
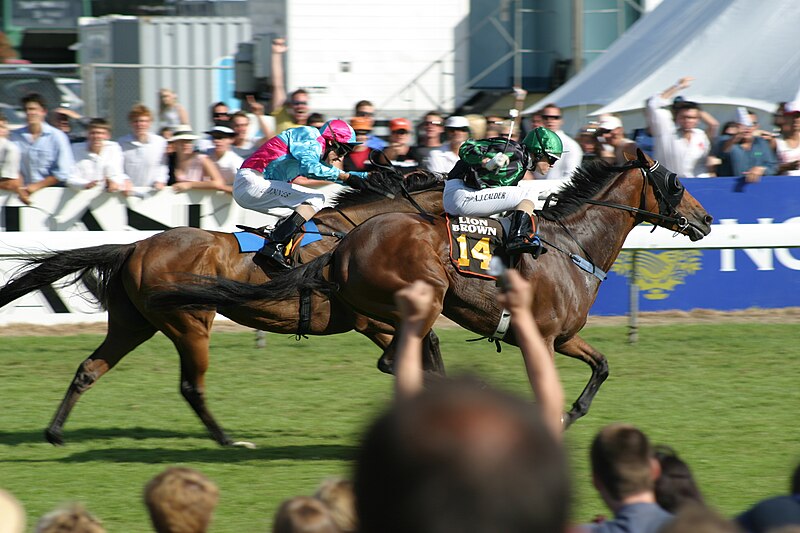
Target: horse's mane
[
  {"x": 587, "y": 180},
  {"x": 385, "y": 180}
]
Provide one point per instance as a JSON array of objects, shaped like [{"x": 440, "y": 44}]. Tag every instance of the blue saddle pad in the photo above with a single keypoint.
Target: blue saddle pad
[{"x": 250, "y": 242}]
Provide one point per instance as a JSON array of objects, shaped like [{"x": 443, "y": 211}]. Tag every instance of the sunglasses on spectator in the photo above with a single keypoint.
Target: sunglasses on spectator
[
  {"x": 432, "y": 123},
  {"x": 222, "y": 114},
  {"x": 362, "y": 132},
  {"x": 401, "y": 132},
  {"x": 458, "y": 129},
  {"x": 299, "y": 102},
  {"x": 365, "y": 114},
  {"x": 551, "y": 117}
]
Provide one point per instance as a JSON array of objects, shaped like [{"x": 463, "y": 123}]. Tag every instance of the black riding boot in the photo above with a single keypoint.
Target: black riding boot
[
  {"x": 521, "y": 238},
  {"x": 281, "y": 235}
]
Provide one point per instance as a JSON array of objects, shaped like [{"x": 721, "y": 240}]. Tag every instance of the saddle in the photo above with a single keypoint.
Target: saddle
[{"x": 253, "y": 239}]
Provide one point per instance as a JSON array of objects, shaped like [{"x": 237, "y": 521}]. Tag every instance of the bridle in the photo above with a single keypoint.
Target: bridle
[
  {"x": 667, "y": 189},
  {"x": 668, "y": 192}
]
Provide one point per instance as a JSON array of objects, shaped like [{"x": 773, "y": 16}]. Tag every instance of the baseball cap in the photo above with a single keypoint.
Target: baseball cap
[
  {"x": 400, "y": 124},
  {"x": 792, "y": 107},
  {"x": 361, "y": 123},
  {"x": 456, "y": 121},
  {"x": 609, "y": 122}
]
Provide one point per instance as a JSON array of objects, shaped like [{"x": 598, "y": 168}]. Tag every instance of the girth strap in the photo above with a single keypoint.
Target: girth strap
[
  {"x": 499, "y": 332},
  {"x": 304, "y": 323}
]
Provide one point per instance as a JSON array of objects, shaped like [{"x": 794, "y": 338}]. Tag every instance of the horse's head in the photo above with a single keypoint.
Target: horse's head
[{"x": 674, "y": 206}]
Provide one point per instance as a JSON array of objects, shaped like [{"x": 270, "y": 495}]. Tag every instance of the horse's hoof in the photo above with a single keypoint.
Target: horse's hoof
[
  {"x": 54, "y": 437},
  {"x": 385, "y": 365},
  {"x": 244, "y": 444}
]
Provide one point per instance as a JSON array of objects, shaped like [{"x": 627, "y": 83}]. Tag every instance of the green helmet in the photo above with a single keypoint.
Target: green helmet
[{"x": 542, "y": 141}]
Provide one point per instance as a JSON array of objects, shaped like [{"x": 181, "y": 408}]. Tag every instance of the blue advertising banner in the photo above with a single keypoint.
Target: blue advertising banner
[{"x": 716, "y": 279}]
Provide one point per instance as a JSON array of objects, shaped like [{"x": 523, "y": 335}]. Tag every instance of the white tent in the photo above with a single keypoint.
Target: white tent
[{"x": 740, "y": 52}]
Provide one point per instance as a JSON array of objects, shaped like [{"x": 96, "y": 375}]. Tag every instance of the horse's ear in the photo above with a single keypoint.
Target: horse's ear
[
  {"x": 629, "y": 156},
  {"x": 644, "y": 158}
]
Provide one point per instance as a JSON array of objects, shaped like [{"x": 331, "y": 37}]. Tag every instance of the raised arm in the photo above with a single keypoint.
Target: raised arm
[
  {"x": 672, "y": 90},
  {"x": 712, "y": 124},
  {"x": 258, "y": 110},
  {"x": 414, "y": 302},
  {"x": 276, "y": 70},
  {"x": 542, "y": 374}
]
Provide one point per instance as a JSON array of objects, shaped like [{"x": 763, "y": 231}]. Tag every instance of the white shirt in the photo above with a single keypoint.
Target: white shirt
[
  {"x": 441, "y": 160},
  {"x": 228, "y": 164},
  {"x": 246, "y": 149},
  {"x": 787, "y": 154},
  {"x": 570, "y": 159},
  {"x": 685, "y": 157},
  {"x": 145, "y": 163},
  {"x": 91, "y": 167},
  {"x": 9, "y": 159}
]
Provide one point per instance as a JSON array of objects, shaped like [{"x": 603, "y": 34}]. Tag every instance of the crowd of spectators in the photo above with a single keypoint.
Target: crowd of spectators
[{"x": 57, "y": 153}]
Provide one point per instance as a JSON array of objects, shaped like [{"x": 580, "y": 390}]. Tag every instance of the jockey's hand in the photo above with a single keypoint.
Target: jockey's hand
[
  {"x": 499, "y": 161},
  {"x": 356, "y": 179}
]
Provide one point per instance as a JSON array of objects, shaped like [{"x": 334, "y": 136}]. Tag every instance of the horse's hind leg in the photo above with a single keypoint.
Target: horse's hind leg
[
  {"x": 191, "y": 338},
  {"x": 580, "y": 349},
  {"x": 120, "y": 339}
]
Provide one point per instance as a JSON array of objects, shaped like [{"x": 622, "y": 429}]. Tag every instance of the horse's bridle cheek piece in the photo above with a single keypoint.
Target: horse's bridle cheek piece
[{"x": 668, "y": 201}]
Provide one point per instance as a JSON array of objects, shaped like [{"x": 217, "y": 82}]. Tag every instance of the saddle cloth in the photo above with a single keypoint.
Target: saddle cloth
[
  {"x": 250, "y": 242},
  {"x": 473, "y": 243}
]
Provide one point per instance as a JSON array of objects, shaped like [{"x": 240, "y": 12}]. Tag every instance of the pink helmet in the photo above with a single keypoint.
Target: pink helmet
[{"x": 339, "y": 131}]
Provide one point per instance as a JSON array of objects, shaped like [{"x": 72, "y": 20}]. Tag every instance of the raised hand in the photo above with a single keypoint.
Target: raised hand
[{"x": 279, "y": 46}]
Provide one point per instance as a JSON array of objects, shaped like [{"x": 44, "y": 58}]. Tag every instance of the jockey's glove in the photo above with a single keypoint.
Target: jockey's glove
[
  {"x": 356, "y": 180},
  {"x": 501, "y": 160}
]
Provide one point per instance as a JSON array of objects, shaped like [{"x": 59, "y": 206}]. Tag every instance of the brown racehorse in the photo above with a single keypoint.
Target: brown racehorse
[
  {"x": 584, "y": 232},
  {"x": 129, "y": 273}
]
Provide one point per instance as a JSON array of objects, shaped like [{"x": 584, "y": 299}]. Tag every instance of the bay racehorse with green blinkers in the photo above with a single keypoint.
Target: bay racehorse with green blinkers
[
  {"x": 584, "y": 232},
  {"x": 125, "y": 275}
]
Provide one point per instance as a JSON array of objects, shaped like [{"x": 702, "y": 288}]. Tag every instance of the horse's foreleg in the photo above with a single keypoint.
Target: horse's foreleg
[
  {"x": 431, "y": 354},
  {"x": 115, "y": 346},
  {"x": 580, "y": 349}
]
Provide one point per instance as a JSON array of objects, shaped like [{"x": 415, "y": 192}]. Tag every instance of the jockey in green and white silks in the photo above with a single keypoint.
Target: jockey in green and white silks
[{"x": 484, "y": 181}]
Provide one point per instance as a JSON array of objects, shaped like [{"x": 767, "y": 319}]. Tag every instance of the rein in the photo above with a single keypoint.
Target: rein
[
  {"x": 665, "y": 203},
  {"x": 393, "y": 171}
]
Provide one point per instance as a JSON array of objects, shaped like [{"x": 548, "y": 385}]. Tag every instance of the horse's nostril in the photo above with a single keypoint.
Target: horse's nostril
[{"x": 708, "y": 219}]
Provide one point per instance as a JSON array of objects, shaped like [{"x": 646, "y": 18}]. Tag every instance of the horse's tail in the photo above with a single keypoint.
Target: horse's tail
[
  {"x": 207, "y": 292},
  {"x": 96, "y": 266}
]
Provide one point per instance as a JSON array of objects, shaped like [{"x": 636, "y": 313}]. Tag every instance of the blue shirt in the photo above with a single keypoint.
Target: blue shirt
[
  {"x": 49, "y": 154},
  {"x": 737, "y": 160},
  {"x": 376, "y": 143},
  {"x": 634, "y": 518}
]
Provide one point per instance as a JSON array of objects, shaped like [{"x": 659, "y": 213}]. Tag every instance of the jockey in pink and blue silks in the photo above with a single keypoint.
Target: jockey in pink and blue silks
[{"x": 283, "y": 172}]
